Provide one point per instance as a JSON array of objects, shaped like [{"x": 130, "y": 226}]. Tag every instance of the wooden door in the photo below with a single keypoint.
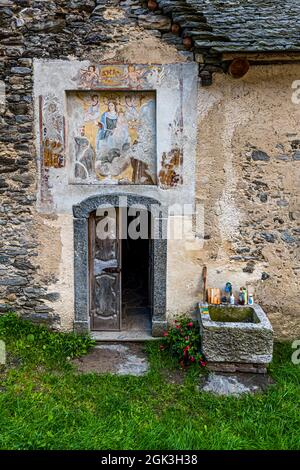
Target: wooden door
[{"x": 105, "y": 275}]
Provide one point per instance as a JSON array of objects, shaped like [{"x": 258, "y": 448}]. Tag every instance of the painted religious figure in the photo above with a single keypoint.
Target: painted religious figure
[
  {"x": 133, "y": 76},
  {"x": 84, "y": 156},
  {"x": 113, "y": 130},
  {"x": 89, "y": 78},
  {"x": 93, "y": 111},
  {"x": 114, "y": 137},
  {"x": 53, "y": 132}
]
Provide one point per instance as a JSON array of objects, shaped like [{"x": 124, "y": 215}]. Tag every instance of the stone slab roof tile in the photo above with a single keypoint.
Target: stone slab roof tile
[
  {"x": 237, "y": 25},
  {"x": 251, "y": 25}
]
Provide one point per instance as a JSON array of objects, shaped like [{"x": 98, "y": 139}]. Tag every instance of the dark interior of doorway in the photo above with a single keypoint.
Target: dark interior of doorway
[{"x": 136, "y": 292}]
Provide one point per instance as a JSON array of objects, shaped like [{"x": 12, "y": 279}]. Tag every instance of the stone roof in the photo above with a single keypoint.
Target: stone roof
[{"x": 238, "y": 25}]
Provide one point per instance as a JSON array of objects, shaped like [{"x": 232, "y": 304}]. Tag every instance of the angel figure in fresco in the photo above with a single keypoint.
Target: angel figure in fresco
[
  {"x": 139, "y": 78},
  {"x": 89, "y": 78},
  {"x": 131, "y": 108},
  {"x": 134, "y": 77},
  {"x": 93, "y": 112}
]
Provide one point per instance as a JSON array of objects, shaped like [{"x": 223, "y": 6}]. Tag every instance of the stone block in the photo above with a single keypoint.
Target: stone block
[
  {"x": 4, "y": 308},
  {"x": 259, "y": 155},
  {"x": 248, "y": 341},
  {"x": 161, "y": 23},
  {"x": 81, "y": 327},
  {"x": 159, "y": 327},
  {"x": 296, "y": 155},
  {"x": 221, "y": 366},
  {"x": 21, "y": 70},
  {"x": 13, "y": 281},
  {"x": 235, "y": 384},
  {"x": 287, "y": 238}
]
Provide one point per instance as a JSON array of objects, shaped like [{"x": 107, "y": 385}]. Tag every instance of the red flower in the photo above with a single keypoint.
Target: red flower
[
  {"x": 190, "y": 324},
  {"x": 192, "y": 359},
  {"x": 165, "y": 333},
  {"x": 177, "y": 327},
  {"x": 203, "y": 363}
]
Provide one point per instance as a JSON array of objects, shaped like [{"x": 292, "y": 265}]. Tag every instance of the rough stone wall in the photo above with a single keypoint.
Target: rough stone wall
[
  {"x": 248, "y": 176},
  {"x": 31, "y": 243}
]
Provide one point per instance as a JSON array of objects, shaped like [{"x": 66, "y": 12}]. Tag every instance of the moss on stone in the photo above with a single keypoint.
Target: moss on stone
[{"x": 232, "y": 314}]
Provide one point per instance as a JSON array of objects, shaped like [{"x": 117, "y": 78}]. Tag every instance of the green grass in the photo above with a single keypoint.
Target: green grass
[{"x": 45, "y": 405}]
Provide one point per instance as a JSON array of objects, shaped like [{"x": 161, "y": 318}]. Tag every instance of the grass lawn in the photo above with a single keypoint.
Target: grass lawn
[{"x": 44, "y": 404}]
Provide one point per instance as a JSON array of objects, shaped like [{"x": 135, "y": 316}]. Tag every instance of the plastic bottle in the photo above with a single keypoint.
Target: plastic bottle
[
  {"x": 228, "y": 290},
  {"x": 250, "y": 299},
  {"x": 204, "y": 309},
  {"x": 231, "y": 299},
  {"x": 241, "y": 297},
  {"x": 245, "y": 295}
]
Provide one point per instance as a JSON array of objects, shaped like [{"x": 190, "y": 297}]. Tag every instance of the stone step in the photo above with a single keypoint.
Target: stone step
[{"x": 123, "y": 336}]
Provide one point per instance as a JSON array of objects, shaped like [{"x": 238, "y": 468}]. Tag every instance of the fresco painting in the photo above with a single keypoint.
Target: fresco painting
[
  {"x": 171, "y": 163},
  {"x": 52, "y": 132},
  {"x": 113, "y": 138},
  {"x": 137, "y": 77},
  {"x": 170, "y": 174}
]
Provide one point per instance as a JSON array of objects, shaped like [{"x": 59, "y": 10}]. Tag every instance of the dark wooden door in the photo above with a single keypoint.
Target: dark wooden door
[{"x": 105, "y": 275}]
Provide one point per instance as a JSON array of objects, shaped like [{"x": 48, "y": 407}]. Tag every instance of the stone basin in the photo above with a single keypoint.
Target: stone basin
[{"x": 236, "y": 338}]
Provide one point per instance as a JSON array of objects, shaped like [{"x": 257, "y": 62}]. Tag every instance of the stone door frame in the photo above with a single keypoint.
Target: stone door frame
[{"x": 81, "y": 213}]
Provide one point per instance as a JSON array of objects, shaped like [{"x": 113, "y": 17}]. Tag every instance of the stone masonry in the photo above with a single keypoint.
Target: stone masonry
[{"x": 248, "y": 153}]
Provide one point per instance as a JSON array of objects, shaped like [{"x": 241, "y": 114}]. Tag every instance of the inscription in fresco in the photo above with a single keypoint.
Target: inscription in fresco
[{"x": 113, "y": 136}]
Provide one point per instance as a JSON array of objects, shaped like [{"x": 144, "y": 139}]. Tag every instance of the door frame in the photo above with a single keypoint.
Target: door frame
[{"x": 81, "y": 213}]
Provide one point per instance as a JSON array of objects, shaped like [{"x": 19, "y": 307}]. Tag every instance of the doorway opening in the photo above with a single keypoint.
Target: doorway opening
[
  {"x": 136, "y": 285},
  {"x": 120, "y": 266}
]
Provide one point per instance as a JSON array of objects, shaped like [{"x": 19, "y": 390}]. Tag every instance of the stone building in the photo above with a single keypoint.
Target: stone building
[{"x": 163, "y": 103}]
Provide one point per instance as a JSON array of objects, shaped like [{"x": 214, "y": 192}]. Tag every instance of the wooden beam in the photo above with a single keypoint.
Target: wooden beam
[{"x": 262, "y": 57}]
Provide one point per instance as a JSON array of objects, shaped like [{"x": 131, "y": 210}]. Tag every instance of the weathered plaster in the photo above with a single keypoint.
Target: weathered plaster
[
  {"x": 241, "y": 116},
  {"x": 64, "y": 306},
  {"x": 236, "y": 117},
  {"x": 175, "y": 86},
  {"x": 55, "y": 261},
  {"x": 47, "y": 232}
]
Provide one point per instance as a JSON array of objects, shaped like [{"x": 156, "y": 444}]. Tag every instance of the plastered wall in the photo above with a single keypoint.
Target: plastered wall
[{"x": 248, "y": 181}]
